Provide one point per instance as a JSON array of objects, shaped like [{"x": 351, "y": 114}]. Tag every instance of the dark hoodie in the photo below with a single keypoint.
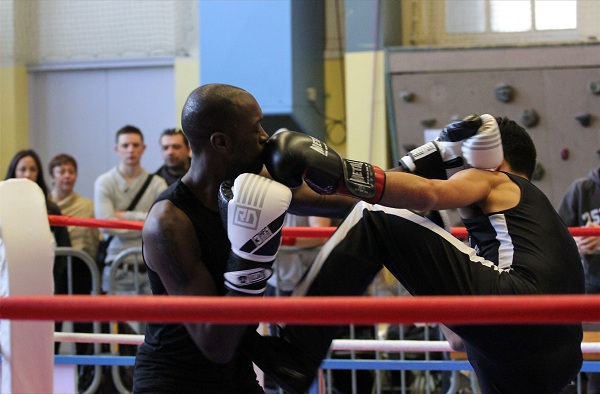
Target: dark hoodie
[{"x": 580, "y": 205}]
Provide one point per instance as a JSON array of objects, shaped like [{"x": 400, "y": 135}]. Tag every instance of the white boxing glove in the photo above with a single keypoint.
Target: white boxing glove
[
  {"x": 252, "y": 209},
  {"x": 484, "y": 149}
]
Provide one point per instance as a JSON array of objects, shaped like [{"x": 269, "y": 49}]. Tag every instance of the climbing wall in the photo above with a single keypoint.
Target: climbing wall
[{"x": 554, "y": 92}]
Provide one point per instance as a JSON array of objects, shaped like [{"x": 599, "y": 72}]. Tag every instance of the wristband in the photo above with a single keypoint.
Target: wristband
[{"x": 380, "y": 182}]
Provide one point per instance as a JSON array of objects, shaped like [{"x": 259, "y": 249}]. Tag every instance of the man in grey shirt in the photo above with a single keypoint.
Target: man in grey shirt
[{"x": 113, "y": 193}]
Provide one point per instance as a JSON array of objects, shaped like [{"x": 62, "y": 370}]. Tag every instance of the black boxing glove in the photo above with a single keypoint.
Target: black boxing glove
[
  {"x": 292, "y": 157},
  {"x": 441, "y": 158},
  {"x": 252, "y": 210}
]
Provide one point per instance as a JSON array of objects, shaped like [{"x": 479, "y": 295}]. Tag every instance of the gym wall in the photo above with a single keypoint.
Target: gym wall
[
  {"x": 77, "y": 71},
  {"x": 128, "y": 51},
  {"x": 553, "y": 83}
]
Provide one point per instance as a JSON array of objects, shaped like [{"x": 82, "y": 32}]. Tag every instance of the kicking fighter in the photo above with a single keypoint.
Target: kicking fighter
[{"x": 518, "y": 245}]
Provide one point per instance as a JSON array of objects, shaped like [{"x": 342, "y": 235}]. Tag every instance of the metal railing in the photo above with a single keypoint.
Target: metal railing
[
  {"x": 129, "y": 261},
  {"x": 76, "y": 256}
]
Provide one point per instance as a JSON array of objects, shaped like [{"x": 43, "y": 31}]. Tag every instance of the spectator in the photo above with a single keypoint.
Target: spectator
[
  {"x": 175, "y": 150},
  {"x": 580, "y": 207},
  {"x": 63, "y": 176},
  {"x": 113, "y": 193}
]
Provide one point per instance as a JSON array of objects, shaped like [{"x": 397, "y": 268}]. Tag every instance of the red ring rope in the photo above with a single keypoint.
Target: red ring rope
[
  {"x": 312, "y": 232},
  {"x": 64, "y": 220},
  {"x": 306, "y": 310}
]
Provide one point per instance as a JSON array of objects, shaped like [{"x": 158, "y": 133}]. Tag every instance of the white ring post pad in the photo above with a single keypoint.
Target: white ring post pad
[{"x": 26, "y": 261}]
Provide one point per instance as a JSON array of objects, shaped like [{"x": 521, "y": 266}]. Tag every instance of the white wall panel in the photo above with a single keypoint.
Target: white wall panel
[{"x": 78, "y": 111}]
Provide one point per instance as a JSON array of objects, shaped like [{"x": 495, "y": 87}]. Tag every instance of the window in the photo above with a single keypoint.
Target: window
[
  {"x": 509, "y": 16},
  {"x": 473, "y": 23}
]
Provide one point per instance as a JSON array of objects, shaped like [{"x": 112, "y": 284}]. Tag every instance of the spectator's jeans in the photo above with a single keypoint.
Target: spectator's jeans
[{"x": 126, "y": 281}]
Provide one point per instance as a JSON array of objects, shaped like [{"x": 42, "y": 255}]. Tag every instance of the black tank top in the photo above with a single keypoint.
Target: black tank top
[
  {"x": 169, "y": 357},
  {"x": 530, "y": 239},
  {"x": 539, "y": 256}
]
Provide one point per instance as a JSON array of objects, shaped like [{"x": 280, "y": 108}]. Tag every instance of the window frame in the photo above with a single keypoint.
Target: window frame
[{"x": 431, "y": 30}]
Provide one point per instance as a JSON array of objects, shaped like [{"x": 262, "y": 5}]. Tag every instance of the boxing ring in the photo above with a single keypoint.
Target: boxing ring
[
  {"x": 34, "y": 313},
  {"x": 324, "y": 310}
]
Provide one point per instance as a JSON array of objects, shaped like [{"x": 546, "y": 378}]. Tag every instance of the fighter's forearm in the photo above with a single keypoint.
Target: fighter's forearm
[{"x": 306, "y": 202}]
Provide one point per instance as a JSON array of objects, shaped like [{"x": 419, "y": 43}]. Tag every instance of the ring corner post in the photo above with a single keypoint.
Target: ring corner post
[{"x": 26, "y": 263}]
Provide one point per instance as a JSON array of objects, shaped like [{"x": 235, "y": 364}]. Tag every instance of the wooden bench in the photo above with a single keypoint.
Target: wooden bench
[{"x": 591, "y": 336}]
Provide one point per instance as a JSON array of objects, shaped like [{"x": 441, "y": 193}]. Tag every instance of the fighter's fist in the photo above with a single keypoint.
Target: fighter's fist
[
  {"x": 484, "y": 149},
  {"x": 252, "y": 209},
  {"x": 291, "y": 157},
  {"x": 460, "y": 130},
  {"x": 451, "y": 139},
  {"x": 441, "y": 158}
]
